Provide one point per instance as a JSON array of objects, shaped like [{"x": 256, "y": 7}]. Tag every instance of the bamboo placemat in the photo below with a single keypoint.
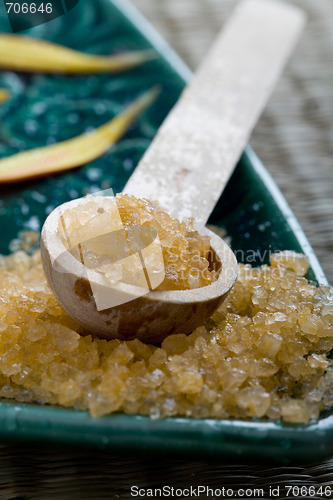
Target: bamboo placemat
[{"x": 59, "y": 474}]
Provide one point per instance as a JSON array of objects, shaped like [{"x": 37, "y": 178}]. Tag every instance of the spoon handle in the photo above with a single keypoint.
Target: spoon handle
[{"x": 197, "y": 147}]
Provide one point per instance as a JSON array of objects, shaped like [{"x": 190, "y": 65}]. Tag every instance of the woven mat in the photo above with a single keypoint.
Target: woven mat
[
  {"x": 60, "y": 474},
  {"x": 295, "y": 141},
  {"x": 294, "y": 137}
]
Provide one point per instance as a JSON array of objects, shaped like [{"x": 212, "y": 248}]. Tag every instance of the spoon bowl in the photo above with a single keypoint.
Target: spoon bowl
[{"x": 149, "y": 318}]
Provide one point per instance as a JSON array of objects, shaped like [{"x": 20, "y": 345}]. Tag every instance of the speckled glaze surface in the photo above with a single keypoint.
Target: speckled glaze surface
[{"x": 45, "y": 109}]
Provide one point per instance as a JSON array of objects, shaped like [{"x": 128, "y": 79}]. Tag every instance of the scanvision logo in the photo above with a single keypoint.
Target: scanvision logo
[{"x": 23, "y": 14}]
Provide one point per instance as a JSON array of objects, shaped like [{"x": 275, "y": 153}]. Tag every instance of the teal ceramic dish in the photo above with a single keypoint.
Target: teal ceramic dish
[{"x": 45, "y": 109}]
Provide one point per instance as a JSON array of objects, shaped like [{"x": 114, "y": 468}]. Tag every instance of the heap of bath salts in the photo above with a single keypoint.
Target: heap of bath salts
[
  {"x": 26, "y": 241},
  {"x": 185, "y": 252},
  {"x": 264, "y": 353}
]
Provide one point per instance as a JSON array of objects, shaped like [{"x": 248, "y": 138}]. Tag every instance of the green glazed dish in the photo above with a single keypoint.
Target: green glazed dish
[{"x": 46, "y": 109}]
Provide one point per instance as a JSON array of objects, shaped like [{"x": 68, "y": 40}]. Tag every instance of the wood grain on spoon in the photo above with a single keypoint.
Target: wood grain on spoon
[{"x": 195, "y": 151}]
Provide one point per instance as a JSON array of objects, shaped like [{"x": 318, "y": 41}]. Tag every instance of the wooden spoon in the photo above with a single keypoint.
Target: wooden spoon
[{"x": 185, "y": 170}]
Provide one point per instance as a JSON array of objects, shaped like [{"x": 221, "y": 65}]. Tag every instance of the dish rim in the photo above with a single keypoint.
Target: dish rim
[{"x": 202, "y": 437}]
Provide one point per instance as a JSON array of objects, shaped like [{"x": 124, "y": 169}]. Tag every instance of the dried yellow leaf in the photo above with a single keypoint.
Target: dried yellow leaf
[
  {"x": 23, "y": 53},
  {"x": 4, "y": 95},
  {"x": 74, "y": 152}
]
